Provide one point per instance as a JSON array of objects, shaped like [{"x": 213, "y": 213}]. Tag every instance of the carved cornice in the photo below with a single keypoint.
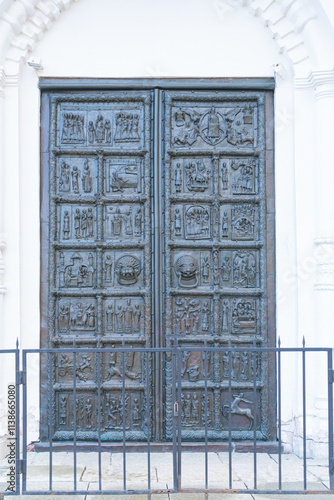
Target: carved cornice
[
  {"x": 286, "y": 19},
  {"x": 322, "y": 82}
]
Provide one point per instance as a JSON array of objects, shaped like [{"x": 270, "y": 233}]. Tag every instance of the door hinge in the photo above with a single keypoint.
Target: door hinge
[
  {"x": 176, "y": 409},
  {"x": 21, "y": 377}
]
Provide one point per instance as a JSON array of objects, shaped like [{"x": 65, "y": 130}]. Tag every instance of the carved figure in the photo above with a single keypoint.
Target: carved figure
[
  {"x": 187, "y": 311},
  {"x": 224, "y": 177},
  {"x": 243, "y": 316},
  {"x": 91, "y": 132},
  {"x": 178, "y": 178},
  {"x": 77, "y": 223},
  {"x": 205, "y": 269},
  {"x": 99, "y": 129},
  {"x": 236, "y": 409},
  {"x": 244, "y": 269},
  {"x": 127, "y": 127},
  {"x": 177, "y": 222},
  {"x": 128, "y": 222},
  {"x": 225, "y": 225},
  {"x": 225, "y": 315},
  {"x": 84, "y": 224},
  {"x": 89, "y": 411},
  {"x": 226, "y": 269},
  {"x": 238, "y": 132},
  {"x": 123, "y": 177},
  {"x": 90, "y": 222},
  {"x": 64, "y": 181},
  {"x": 66, "y": 225},
  {"x": 77, "y": 274},
  {"x": 138, "y": 223},
  {"x": 136, "y": 418},
  {"x": 108, "y": 269},
  {"x": 243, "y": 222},
  {"x": 73, "y": 128},
  {"x": 187, "y": 270},
  {"x": 75, "y": 179},
  {"x": 107, "y": 130},
  {"x": 212, "y": 127},
  {"x": 127, "y": 270},
  {"x": 205, "y": 317},
  {"x": 197, "y": 176},
  {"x": 87, "y": 181},
  {"x": 64, "y": 317},
  {"x": 63, "y": 410},
  {"x": 110, "y": 317},
  {"x": 187, "y": 121},
  {"x": 197, "y": 222},
  {"x": 136, "y": 318},
  {"x": 244, "y": 179}
]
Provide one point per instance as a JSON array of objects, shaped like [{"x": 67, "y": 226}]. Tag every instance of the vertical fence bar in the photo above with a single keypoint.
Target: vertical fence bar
[
  {"x": 229, "y": 418},
  {"x": 148, "y": 419},
  {"x": 24, "y": 411},
  {"x": 279, "y": 403},
  {"x": 179, "y": 429},
  {"x": 75, "y": 416},
  {"x": 304, "y": 414},
  {"x": 50, "y": 418},
  {"x": 176, "y": 412},
  {"x": 206, "y": 415},
  {"x": 99, "y": 410},
  {"x": 254, "y": 355},
  {"x": 330, "y": 418},
  {"x": 17, "y": 417},
  {"x": 123, "y": 415}
]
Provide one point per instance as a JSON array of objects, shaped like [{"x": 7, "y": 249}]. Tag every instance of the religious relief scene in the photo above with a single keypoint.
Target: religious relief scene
[
  {"x": 76, "y": 176},
  {"x": 127, "y": 127},
  {"x": 113, "y": 372},
  {"x": 73, "y": 128},
  {"x": 240, "y": 409},
  {"x": 191, "y": 268},
  {"x": 123, "y": 221},
  {"x": 122, "y": 176},
  {"x": 239, "y": 268},
  {"x": 124, "y": 413},
  {"x": 192, "y": 315},
  {"x": 77, "y": 222},
  {"x": 99, "y": 128},
  {"x": 124, "y": 316},
  {"x": 239, "y": 222},
  {"x": 191, "y": 222},
  {"x": 84, "y": 369},
  {"x": 193, "y": 365},
  {"x": 192, "y": 175},
  {"x": 244, "y": 365},
  {"x": 76, "y": 269},
  {"x": 223, "y": 124},
  {"x": 239, "y": 315},
  {"x": 76, "y": 315},
  {"x": 197, "y": 410},
  {"x": 123, "y": 269},
  {"x": 85, "y": 409},
  {"x": 238, "y": 176}
]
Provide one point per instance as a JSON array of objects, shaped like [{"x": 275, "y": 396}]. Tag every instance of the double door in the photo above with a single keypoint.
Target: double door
[{"x": 157, "y": 224}]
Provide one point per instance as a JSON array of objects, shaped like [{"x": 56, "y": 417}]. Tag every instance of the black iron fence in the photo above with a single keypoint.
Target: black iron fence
[{"x": 215, "y": 400}]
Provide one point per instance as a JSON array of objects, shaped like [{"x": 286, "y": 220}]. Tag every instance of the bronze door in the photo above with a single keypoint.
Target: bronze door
[{"x": 164, "y": 191}]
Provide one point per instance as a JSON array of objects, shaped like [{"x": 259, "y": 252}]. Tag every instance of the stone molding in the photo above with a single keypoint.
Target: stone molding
[
  {"x": 286, "y": 19},
  {"x": 325, "y": 264}
]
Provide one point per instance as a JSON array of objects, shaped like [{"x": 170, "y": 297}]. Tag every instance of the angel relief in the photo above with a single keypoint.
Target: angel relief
[{"x": 187, "y": 122}]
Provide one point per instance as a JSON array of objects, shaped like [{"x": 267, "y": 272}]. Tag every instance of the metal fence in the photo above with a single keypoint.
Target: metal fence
[{"x": 176, "y": 443}]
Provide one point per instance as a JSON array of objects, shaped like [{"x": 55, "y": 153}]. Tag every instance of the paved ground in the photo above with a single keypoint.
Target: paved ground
[{"x": 161, "y": 472}]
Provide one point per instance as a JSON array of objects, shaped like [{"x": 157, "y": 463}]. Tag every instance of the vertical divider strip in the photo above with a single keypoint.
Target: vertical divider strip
[{"x": 157, "y": 252}]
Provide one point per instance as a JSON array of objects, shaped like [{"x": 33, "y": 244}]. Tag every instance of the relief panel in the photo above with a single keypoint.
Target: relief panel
[
  {"x": 239, "y": 222},
  {"x": 86, "y": 411},
  {"x": 205, "y": 126},
  {"x": 241, "y": 409},
  {"x": 84, "y": 368},
  {"x": 191, "y": 268},
  {"x": 192, "y": 176},
  {"x": 239, "y": 268},
  {"x": 76, "y": 315},
  {"x": 123, "y": 222},
  {"x": 122, "y": 269},
  {"x": 76, "y": 176},
  {"x": 243, "y": 366},
  {"x": 124, "y": 316},
  {"x": 193, "y": 315},
  {"x": 193, "y": 366},
  {"x": 113, "y": 367},
  {"x": 239, "y": 315},
  {"x": 191, "y": 222},
  {"x": 122, "y": 176},
  {"x": 239, "y": 176},
  {"x": 76, "y": 269},
  {"x": 133, "y": 406},
  {"x": 76, "y": 222},
  {"x": 194, "y": 412}
]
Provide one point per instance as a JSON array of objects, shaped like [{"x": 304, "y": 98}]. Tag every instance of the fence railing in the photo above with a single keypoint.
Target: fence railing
[{"x": 102, "y": 400}]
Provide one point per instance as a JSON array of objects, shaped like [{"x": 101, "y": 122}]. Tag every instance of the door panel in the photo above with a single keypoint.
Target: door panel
[{"x": 216, "y": 257}]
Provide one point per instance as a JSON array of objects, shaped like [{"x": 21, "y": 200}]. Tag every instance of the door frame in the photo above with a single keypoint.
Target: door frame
[{"x": 47, "y": 85}]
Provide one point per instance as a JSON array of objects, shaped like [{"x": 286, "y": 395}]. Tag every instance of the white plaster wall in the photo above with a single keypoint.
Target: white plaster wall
[{"x": 188, "y": 38}]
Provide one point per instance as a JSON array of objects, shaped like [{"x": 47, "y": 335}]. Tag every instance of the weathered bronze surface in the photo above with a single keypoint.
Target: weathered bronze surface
[{"x": 157, "y": 222}]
